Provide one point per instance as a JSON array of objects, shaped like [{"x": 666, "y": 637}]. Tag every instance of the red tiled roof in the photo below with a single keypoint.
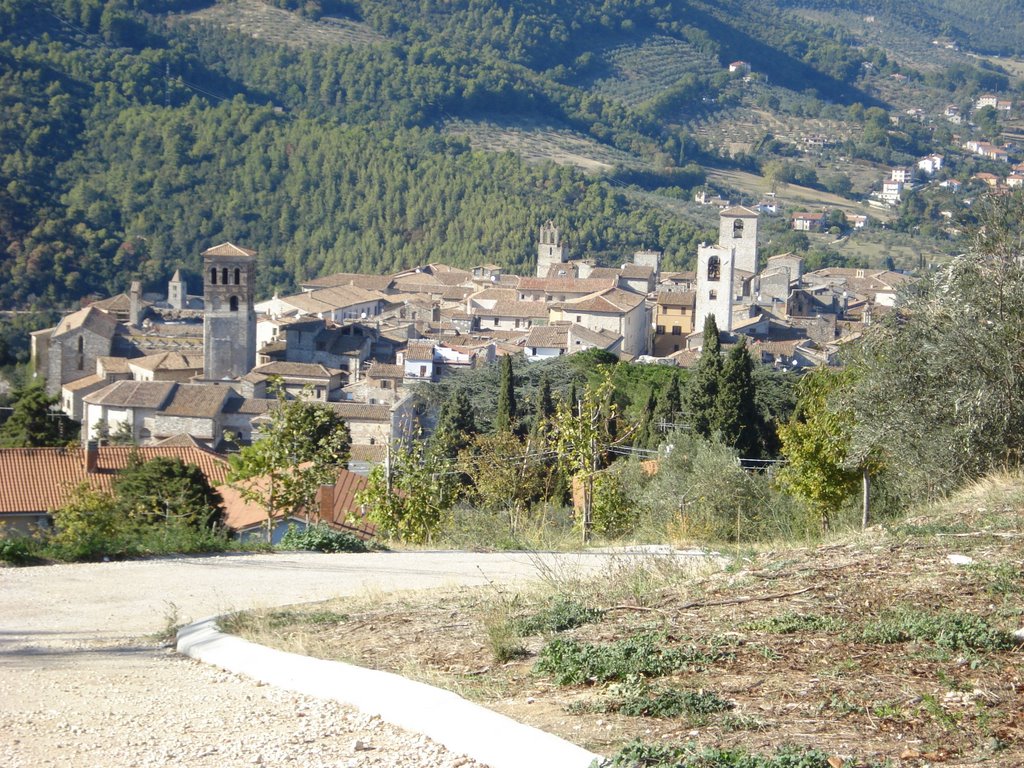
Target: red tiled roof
[{"x": 40, "y": 479}]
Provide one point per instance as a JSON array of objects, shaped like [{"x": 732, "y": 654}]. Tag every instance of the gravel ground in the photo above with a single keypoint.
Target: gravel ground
[{"x": 83, "y": 682}]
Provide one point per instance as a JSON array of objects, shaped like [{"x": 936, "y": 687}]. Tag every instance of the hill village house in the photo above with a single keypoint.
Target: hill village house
[{"x": 174, "y": 367}]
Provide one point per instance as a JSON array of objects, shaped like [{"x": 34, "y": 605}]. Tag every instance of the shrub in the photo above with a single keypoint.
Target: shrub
[
  {"x": 562, "y": 614},
  {"x": 571, "y": 662},
  {"x": 789, "y": 623},
  {"x": 321, "y": 538},
  {"x": 947, "y": 629},
  {"x": 637, "y": 753},
  {"x": 19, "y": 550},
  {"x": 647, "y": 701}
]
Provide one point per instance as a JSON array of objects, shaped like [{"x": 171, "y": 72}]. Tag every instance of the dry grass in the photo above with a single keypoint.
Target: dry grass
[{"x": 788, "y": 626}]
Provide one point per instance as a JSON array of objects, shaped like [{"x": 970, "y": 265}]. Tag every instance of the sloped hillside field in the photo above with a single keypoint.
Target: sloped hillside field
[{"x": 893, "y": 645}]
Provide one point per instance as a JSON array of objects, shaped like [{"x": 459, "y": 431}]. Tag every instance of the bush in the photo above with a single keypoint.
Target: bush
[
  {"x": 947, "y": 629},
  {"x": 563, "y": 614},
  {"x": 19, "y": 550},
  {"x": 321, "y": 538},
  {"x": 571, "y": 662},
  {"x": 637, "y": 753}
]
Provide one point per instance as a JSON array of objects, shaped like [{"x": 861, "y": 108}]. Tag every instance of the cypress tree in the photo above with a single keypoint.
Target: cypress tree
[
  {"x": 702, "y": 391},
  {"x": 736, "y": 415},
  {"x": 545, "y": 404},
  {"x": 669, "y": 405},
  {"x": 506, "y": 417},
  {"x": 456, "y": 425},
  {"x": 647, "y": 435}
]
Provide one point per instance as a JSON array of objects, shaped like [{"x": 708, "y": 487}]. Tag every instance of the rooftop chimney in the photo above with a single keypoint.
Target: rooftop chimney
[
  {"x": 327, "y": 503},
  {"x": 92, "y": 455}
]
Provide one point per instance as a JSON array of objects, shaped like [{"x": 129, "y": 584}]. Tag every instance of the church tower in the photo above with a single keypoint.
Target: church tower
[
  {"x": 737, "y": 229},
  {"x": 715, "y": 266},
  {"x": 549, "y": 250},
  {"x": 229, "y": 318},
  {"x": 176, "y": 291}
]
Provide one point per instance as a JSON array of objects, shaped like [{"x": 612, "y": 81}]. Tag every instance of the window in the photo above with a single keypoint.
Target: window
[
  {"x": 224, "y": 275},
  {"x": 675, "y": 347},
  {"x": 495, "y": 322},
  {"x": 423, "y": 371},
  {"x": 213, "y": 276},
  {"x": 660, "y": 330},
  {"x": 238, "y": 276},
  {"x": 579, "y": 318},
  {"x": 737, "y": 228},
  {"x": 677, "y": 330},
  {"x": 385, "y": 384},
  {"x": 712, "y": 295},
  {"x": 234, "y": 303},
  {"x": 714, "y": 268}
]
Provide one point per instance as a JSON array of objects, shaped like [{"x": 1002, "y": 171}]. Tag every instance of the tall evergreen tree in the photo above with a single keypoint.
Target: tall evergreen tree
[
  {"x": 647, "y": 433},
  {"x": 736, "y": 417},
  {"x": 456, "y": 426},
  {"x": 668, "y": 406},
  {"x": 33, "y": 423},
  {"x": 505, "y": 420},
  {"x": 545, "y": 404},
  {"x": 702, "y": 390}
]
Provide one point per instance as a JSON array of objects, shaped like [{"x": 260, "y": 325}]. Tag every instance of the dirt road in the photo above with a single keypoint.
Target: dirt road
[{"x": 84, "y": 683}]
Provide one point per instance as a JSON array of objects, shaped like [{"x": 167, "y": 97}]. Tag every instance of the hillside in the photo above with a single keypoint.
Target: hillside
[
  {"x": 890, "y": 647},
  {"x": 371, "y": 135}
]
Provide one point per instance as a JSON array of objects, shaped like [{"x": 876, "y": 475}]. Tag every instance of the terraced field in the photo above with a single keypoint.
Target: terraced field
[
  {"x": 638, "y": 73},
  {"x": 537, "y": 143},
  {"x": 259, "y": 20}
]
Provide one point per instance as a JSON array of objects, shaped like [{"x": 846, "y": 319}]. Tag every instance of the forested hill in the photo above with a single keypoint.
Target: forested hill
[
  {"x": 135, "y": 133},
  {"x": 985, "y": 26}
]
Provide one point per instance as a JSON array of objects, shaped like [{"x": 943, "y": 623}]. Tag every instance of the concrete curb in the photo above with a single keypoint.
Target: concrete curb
[{"x": 447, "y": 718}]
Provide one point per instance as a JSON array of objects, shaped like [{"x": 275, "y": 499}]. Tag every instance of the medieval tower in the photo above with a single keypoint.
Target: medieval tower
[
  {"x": 549, "y": 250},
  {"x": 737, "y": 229},
  {"x": 715, "y": 265},
  {"x": 229, "y": 318}
]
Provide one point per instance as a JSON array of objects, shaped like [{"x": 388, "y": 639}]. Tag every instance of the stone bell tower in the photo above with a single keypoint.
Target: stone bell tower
[
  {"x": 229, "y": 318},
  {"x": 549, "y": 249}
]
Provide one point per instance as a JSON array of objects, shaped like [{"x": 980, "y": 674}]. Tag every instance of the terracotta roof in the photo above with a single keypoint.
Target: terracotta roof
[
  {"x": 739, "y": 212},
  {"x": 548, "y": 337},
  {"x": 420, "y": 350},
  {"x": 628, "y": 271},
  {"x": 79, "y": 384},
  {"x": 167, "y": 361},
  {"x": 677, "y": 298},
  {"x": 361, "y": 411},
  {"x": 495, "y": 294},
  {"x": 122, "y": 302},
  {"x": 228, "y": 249},
  {"x": 40, "y": 479},
  {"x": 250, "y": 405},
  {"x": 113, "y": 364},
  {"x": 203, "y": 401},
  {"x": 308, "y": 370},
  {"x": 372, "y": 454},
  {"x": 91, "y": 318},
  {"x": 521, "y": 309},
  {"x": 368, "y": 282},
  {"x": 385, "y": 371},
  {"x": 133, "y": 394},
  {"x": 612, "y": 300},
  {"x": 567, "y": 284}
]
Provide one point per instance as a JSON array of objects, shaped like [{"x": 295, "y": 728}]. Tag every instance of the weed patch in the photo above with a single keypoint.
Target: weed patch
[
  {"x": 690, "y": 755},
  {"x": 563, "y": 614},
  {"x": 648, "y": 701},
  {"x": 790, "y": 623},
  {"x": 949, "y": 630},
  {"x": 571, "y": 662},
  {"x": 320, "y": 538}
]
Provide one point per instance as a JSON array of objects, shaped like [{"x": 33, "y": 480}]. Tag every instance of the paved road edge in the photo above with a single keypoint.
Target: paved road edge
[{"x": 447, "y": 718}]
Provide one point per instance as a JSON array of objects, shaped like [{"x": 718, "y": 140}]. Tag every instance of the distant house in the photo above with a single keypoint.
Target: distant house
[
  {"x": 740, "y": 67},
  {"x": 930, "y": 165},
  {"x": 39, "y": 480},
  {"x": 806, "y": 221}
]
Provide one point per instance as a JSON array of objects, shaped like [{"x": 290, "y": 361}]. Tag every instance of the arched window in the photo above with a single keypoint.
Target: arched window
[
  {"x": 224, "y": 275},
  {"x": 737, "y": 228},
  {"x": 234, "y": 303},
  {"x": 81, "y": 344},
  {"x": 238, "y": 276},
  {"x": 213, "y": 276},
  {"x": 714, "y": 268}
]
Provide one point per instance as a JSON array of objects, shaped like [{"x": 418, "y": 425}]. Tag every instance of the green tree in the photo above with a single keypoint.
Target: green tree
[
  {"x": 505, "y": 420},
  {"x": 409, "y": 496},
  {"x": 300, "y": 448},
  {"x": 34, "y": 421},
  {"x": 163, "y": 489},
  {"x": 702, "y": 388},
  {"x": 456, "y": 426},
  {"x": 507, "y": 475},
  {"x": 737, "y": 419},
  {"x": 583, "y": 434},
  {"x": 816, "y": 443},
  {"x": 648, "y": 435}
]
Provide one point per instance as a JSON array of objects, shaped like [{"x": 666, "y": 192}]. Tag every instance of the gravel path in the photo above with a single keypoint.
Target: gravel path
[{"x": 83, "y": 683}]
